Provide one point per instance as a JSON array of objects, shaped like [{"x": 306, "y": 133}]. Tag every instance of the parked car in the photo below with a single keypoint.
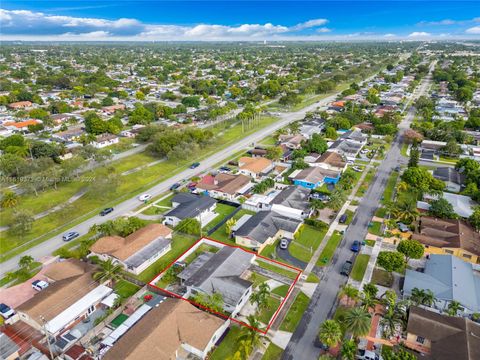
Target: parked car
[
  {"x": 224, "y": 169},
  {"x": 283, "y": 244},
  {"x": 402, "y": 227},
  {"x": 356, "y": 246},
  {"x": 39, "y": 285},
  {"x": 194, "y": 165},
  {"x": 346, "y": 268},
  {"x": 70, "y": 236},
  {"x": 106, "y": 211},
  {"x": 6, "y": 311},
  {"x": 175, "y": 186},
  {"x": 397, "y": 168},
  {"x": 320, "y": 196},
  {"x": 367, "y": 355},
  {"x": 144, "y": 197},
  {"x": 343, "y": 219}
]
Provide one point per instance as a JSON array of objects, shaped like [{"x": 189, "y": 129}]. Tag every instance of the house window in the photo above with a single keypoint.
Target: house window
[
  {"x": 466, "y": 256},
  {"x": 449, "y": 252},
  {"x": 420, "y": 340},
  {"x": 90, "y": 310}
]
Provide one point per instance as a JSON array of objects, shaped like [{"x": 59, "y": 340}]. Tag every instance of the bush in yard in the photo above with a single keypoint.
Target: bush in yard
[
  {"x": 318, "y": 224},
  {"x": 390, "y": 261},
  {"x": 411, "y": 249},
  {"x": 189, "y": 226}
]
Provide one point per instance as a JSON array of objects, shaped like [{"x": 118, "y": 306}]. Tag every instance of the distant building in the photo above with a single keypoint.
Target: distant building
[
  {"x": 20, "y": 105},
  {"x": 105, "y": 140},
  {"x": 452, "y": 178},
  {"x": 187, "y": 205},
  {"x": 256, "y": 168},
  {"x": 224, "y": 186}
]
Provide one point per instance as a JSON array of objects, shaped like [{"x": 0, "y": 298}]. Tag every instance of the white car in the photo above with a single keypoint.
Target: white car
[
  {"x": 144, "y": 197},
  {"x": 6, "y": 311},
  {"x": 39, "y": 285}
]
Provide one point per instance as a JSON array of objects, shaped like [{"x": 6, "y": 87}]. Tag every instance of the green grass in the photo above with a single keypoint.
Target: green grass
[
  {"x": 228, "y": 346},
  {"x": 200, "y": 250},
  {"x": 119, "y": 320},
  {"x": 370, "y": 242},
  {"x": 382, "y": 278},
  {"x": 448, "y": 160},
  {"x": 221, "y": 234},
  {"x": 376, "y": 228},
  {"x": 258, "y": 279},
  {"x": 180, "y": 243},
  {"x": 273, "y": 352},
  {"x": 20, "y": 276},
  {"x": 305, "y": 244},
  {"x": 350, "y": 214},
  {"x": 282, "y": 290},
  {"x": 222, "y": 210},
  {"x": 329, "y": 249},
  {"x": 312, "y": 278},
  {"x": 390, "y": 188},
  {"x": 295, "y": 313},
  {"x": 129, "y": 186},
  {"x": 269, "y": 251},
  {"x": 265, "y": 315},
  {"x": 366, "y": 183},
  {"x": 359, "y": 267},
  {"x": 404, "y": 149},
  {"x": 269, "y": 140},
  {"x": 291, "y": 274},
  {"x": 381, "y": 212},
  {"x": 125, "y": 288}
]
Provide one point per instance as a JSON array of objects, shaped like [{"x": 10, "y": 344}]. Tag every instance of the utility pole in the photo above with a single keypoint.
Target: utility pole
[{"x": 44, "y": 322}]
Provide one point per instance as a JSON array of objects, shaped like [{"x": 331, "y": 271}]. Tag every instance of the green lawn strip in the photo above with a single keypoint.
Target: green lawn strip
[
  {"x": 390, "y": 188},
  {"x": 20, "y": 276},
  {"x": 119, "y": 320},
  {"x": 359, "y": 267},
  {"x": 376, "y": 228},
  {"x": 448, "y": 160},
  {"x": 366, "y": 183},
  {"x": 221, "y": 234},
  {"x": 282, "y": 290},
  {"x": 329, "y": 249},
  {"x": 200, "y": 250},
  {"x": 305, "y": 244},
  {"x": 130, "y": 185},
  {"x": 164, "y": 204},
  {"x": 228, "y": 346},
  {"x": 291, "y": 274},
  {"x": 222, "y": 210},
  {"x": 258, "y": 279},
  {"x": 125, "y": 288},
  {"x": 180, "y": 243},
  {"x": 381, "y": 212},
  {"x": 404, "y": 149},
  {"x": 273, "y": 352},
  {"x": 269, "y": 251},
  {"x": 269, "y": 141},
  {"x": 312, "y": 278},
  {"x": 350, "y": 214},
  {"x": 266, "y": 313},
  {"x": 295, "y": 313},
  {"x": 370, "y": 242}
]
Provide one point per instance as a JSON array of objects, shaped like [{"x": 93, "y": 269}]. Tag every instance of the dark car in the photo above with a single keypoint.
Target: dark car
[
  {"x": 70, "y": 236},
  {"x": 356, "y": 246},
  {"x": 175, "y": 186},
  {"x": 343, "y": 219},
  {"x": 346, "y": 268},
  {"x": 194, "y": 165},
  {"x": 225, "y": 169},
  {"x": 106, "y": 211}
]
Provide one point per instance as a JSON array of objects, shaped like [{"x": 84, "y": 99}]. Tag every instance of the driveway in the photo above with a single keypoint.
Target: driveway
[{"x": 284, "y": 254}]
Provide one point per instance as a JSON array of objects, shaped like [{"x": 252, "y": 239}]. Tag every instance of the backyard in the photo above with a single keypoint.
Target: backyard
[{"x": 222, "y": 210}]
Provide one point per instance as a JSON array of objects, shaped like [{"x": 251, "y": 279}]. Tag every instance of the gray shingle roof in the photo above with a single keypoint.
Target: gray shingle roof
[
  {"x": 448, "y": 174},
  {"x": 294, "y": 197},
  {"x": 189, "y": 205}
]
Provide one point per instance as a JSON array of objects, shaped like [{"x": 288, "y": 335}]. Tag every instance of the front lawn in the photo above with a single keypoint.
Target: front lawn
[
  {"x": 305, "y": 244},
  {"x": 282, "y": 290},
  {"x": 350, "y": 214},
  {"x": 329, "y": 249},
  {"x": 269, "y": 251},
  {"x": 266, "y": 313},
  {"x": 257, "y": 279},
  {"x": 222, "y": 210},
  {"x": 228, "y": 346},
  {"x": 273, "y": 352},
  {"x": 295, "y": 313},
  {"x": 382, "y": 278},
  {"x": 376, "y": 228},
  {"x": 359, "y": 267},
  {"x": 312, "y": 278},
  {"x": 291, "y": 274},
  {"x": 390, "y": 188},
  {"x": 125, "y": 288}
]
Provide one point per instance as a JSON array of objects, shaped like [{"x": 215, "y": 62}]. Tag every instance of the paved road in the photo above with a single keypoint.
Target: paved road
[
  {"x": 50, "y": 245},
  {"x": 323, "y": 301}
]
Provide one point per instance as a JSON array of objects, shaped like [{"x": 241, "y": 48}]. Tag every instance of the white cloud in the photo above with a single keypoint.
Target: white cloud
[
  {"x": 323, "y": 30},
  {"x": 389, "y": 35},
  {"x": 473, "y": 30},
  {"x": 419, "y": 34},
  {"x": 310, "y": 24}
]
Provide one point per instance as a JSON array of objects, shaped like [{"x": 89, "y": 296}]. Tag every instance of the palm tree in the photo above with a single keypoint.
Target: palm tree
[
  {"x": 402, "y": 186},
  {"x": 337, "y": 199},
  {"x": 9, "y": 199},
  {"x": 422, "y": 297},
  {"x": 215, "y": 301},
  {"x": 350, "y": 292},
  {"x": 330, "y": 333},
  {"x": 357, "y": 322},
  {"x": 261, "y": 296},
  {"x": 109, "y": 271},
  {"x": 406, "y": 211},
  {"x": 370, "y": 289},
  {"x": 429, "y": 298},
  {"x": 454, "y": 307},
  {"x": 368, "y": 302},
  {"x": 294, "y": 127},
  {"x": 349, "y": 349},
  {"x": 391, "y": 320},
  {"x": 250, "y": 332}
]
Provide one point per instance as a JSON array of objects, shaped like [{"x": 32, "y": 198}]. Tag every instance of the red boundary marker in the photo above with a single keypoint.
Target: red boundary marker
[{"x": 299, "y": 272}]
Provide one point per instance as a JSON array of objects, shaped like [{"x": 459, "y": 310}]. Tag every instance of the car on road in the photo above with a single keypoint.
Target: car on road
[
  {"x": 106, "y": 211},
  {"x": 283, "y": 244},
  {"x": 144, "y": 197},
  {"x": 6, "y": 311},
  {"x": 356, "y": 246},
  {"x": 397, "y": 168},
  {"x": 194, "y": 165},
  {"x": 402, "y": 227},
  {"x": 70, "y": 235},
  {"x": 175, "y": 186},
  {"x": 39, "y": 285},
  {"x": 343, "y": 219},
  {"x": 346, "y": 268}
]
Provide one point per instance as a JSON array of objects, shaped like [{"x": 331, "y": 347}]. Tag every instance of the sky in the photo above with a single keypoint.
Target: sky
[{"x": 126, "y": 20}]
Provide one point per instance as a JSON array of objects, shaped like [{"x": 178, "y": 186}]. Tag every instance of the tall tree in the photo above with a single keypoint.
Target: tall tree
[
  {"x": 330, "y": 333},
  {"x": 109, "y": 271},
  {"x": 411, "y": 249},
  {"x": 357, "y": 322}
]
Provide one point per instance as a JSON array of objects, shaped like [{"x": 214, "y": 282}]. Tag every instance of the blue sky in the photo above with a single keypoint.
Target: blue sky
[{"x": 238, "y": 20}]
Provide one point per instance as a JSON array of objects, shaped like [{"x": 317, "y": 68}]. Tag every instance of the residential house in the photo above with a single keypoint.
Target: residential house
[
  {"x": 72, "y": 297},
  {"x": 138, "y": 250},
  {"x": 109, "y": 110},
  {"x": 221, "y": 272},
  {"x": 313, "y": 126},
  {"x": 452, "y": 178},
  {"x": 72, "y": 134},
  {"x": 292, "y": 141},
  {"x": 330, "y": 160},
  {"x": 348, "y": 149},
  {"x": 20, "y": 105},
  {"x": 9, "y": 350},
  {"x": 187, "y": 205},
  {"x": 264, "y": 228},
  {"x": 224, "y": 186},
  {"x": 442, "y": 337},
  {"x": 434, "y": 146},
  {"x": 462, "y": 205},
  {"x": 292, "y": 202},
  {"x": 450, "y": 279},
  {"x": 21, "y": 125},
  {"x": 256, "y": 167},
  {"x": 454, "y": 237},
  {"x": 105, "y": 140},
  {"x": 309, "y": 178},
  {"x": 173, "y": 330}
]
